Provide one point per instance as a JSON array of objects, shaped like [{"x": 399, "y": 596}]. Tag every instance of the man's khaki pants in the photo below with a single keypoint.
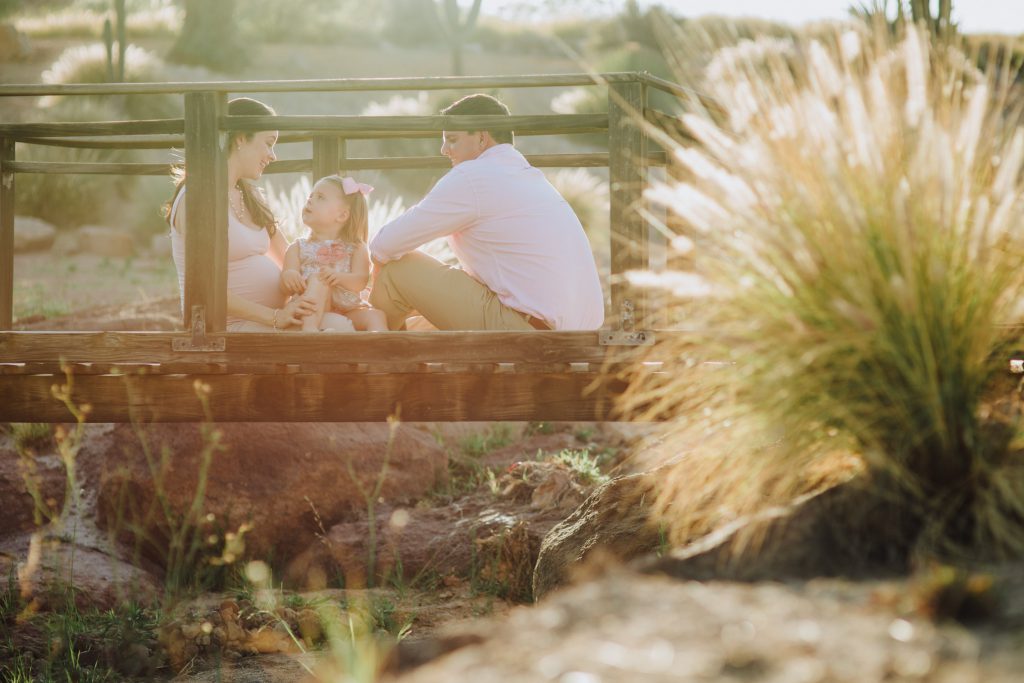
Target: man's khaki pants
[{"x": 447, "y": 297}]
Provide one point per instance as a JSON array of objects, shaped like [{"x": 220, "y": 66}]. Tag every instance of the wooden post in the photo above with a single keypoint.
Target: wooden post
[
  {"x": 206, "y": 210},
  {"x": 326, "y": 155},
  {"x": 6, "y": 235},
  {"x": 627, "y": 171}
]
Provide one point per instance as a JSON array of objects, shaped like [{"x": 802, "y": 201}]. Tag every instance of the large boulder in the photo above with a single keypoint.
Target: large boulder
[
  {"x": 289, "y": 482},
  {"x": 31, "y": 488},
  {"x": 52, "y": 559},
  {"x": 624, "y": 628},
  {"x": 32, "y": 234},
  {"x": 615, "y": 521}
]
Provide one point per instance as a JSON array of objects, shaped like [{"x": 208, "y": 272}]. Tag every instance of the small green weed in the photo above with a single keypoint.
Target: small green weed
[
  {"x": 584, "y": 434},
  {"x": 32, "y": 301},
  {"x": 498, "y": 436},
  {"x": 583, "y": 464},
  {"x": 71, "y": 644},
  {"x": 540, "y": 428},
  {"x": 31, "y": 435}
]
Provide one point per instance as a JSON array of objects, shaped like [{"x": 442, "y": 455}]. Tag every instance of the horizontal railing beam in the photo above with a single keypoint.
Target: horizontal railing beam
[
  {"x": 134, "y": 141},
  {"x": 546, "y": 123},
  {"x": 321, "y": 85},
  {"x": 595, "y": 160},
  {"x": 151, "y": 127}
]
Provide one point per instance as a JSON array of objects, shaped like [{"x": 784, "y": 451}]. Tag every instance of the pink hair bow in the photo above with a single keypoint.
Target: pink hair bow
[{"x": 350, "y": 186}]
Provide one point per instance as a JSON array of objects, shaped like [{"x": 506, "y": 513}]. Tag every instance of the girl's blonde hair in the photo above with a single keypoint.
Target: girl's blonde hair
[
  {"x": 252, "y": 197},
  {"x": 357, "y": 228}
]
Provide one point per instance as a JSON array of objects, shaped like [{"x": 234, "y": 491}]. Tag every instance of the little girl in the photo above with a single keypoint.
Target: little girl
[{"x": 332, "y": 266}]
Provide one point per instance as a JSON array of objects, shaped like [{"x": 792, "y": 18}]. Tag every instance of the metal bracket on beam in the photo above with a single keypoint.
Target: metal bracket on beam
[
  {"x": 198, "y": 341},
  {"x": 626, "y": 335},
  {"x": 620, "y": 338}
]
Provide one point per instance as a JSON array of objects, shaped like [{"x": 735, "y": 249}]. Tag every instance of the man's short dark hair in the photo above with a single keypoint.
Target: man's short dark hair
[{"x": 482, "y": 105}]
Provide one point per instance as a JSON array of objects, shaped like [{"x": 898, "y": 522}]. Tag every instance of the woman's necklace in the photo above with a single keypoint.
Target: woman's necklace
[{"x": 239, "y": 212}]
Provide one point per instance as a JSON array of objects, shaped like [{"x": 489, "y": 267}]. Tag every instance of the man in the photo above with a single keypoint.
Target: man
[{"x": 525, "y": 261}]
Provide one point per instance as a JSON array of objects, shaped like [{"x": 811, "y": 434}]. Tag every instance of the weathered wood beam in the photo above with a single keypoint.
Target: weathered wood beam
[
  {"x": 596, "y": 160},
  {"x": 627, "y": 151},
  {"x": 547, "y": 123},
  {"x": 206, "y": 213},
  {"x": 320, "y": 85},
  {"x": 317, "y": 397},
  {"x": 327, "y": 154},
  {"x": 291, "y": 348},
  {"x": 6, "y": 234}
]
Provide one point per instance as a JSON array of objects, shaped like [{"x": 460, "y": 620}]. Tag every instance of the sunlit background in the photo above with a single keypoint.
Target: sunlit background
[{"x": 63, "y": 41}]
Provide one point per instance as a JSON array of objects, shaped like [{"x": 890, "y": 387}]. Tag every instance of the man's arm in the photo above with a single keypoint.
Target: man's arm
[{"x": 449, "y": 207}]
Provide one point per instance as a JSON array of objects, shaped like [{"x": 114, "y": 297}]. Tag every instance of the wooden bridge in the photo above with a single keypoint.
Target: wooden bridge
[{"x": 430, "y": 376}]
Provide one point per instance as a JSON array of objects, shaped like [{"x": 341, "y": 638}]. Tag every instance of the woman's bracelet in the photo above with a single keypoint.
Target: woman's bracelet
[{"x": 276, "y": 311}]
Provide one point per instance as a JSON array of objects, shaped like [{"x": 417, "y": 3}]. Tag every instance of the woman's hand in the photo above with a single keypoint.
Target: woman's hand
[
  {"x": 294, "y": 311},
  {"x": 292, "y": 281}
]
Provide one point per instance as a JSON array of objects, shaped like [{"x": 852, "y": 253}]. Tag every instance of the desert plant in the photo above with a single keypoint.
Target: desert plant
[
  {"x": 857, "y": 215},
  {"x": 584, "y": 465},
  {"x": 146, "y": 19},
  {"x": 413, "y": 182},
  {"x": 30, "y": 435},
  {"x": 88, "y": 64}
]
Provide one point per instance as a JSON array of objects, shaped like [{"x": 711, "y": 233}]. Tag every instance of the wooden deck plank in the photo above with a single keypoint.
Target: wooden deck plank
[
  {"x": 255, "y": 348},
  {"x": 316, "y": 397}
]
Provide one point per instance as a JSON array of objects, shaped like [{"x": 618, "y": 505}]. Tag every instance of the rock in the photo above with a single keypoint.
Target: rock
[
  {"x": 846, "y": 530},
  {"x": 615, "y": 519},
  {"x": 32, "y": 234},
  {"x": 626, "y": 627},
  {"x": 14, "y": 45},
  {"x": 48, "y": 563},
  {"x": 104, "y": 241},
  {"x": 43, "y": 474},
  {"x": 290, "y": 482},
  {"x": 67, "y": 243},
  {"x": 274, "y": 668}
]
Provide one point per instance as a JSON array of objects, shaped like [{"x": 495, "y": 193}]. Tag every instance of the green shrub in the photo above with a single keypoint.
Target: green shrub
[
  {"x": 88, "y": 64},
  {"x": 31, "y": 435},
  {"x": 583, "y": 464},
  {"x": 145, "y": 19},
  {"x": 630, "y": 57},
  {"x": 62, "y": 199},
  {"x": 858, "y": 214}
]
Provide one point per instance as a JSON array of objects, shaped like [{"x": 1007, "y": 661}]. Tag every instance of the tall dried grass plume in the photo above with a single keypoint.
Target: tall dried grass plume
[{"x": 854, "y": 214}]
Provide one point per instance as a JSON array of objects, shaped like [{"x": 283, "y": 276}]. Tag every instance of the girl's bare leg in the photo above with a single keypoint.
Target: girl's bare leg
[
  {"x": 318, "y": 292},
  {"x": 369, "y": 319}
]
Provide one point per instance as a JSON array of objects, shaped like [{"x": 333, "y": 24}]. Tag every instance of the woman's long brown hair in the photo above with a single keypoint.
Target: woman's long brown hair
[{"x": 252, "y": 197}]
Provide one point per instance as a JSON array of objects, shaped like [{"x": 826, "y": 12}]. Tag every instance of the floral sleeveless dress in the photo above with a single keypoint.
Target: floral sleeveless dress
[{"x": 335, "y": 255}]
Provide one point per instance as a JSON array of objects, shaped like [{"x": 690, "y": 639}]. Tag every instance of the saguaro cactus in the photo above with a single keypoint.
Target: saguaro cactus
[{"x": 115, "y": 70}]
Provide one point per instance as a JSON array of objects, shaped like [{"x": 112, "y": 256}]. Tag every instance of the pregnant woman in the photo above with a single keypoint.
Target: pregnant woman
[{"x": 255, "y": 300}]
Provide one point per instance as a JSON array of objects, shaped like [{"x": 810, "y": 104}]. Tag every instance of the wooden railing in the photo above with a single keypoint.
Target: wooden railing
[{"x": 453, "y": 376}]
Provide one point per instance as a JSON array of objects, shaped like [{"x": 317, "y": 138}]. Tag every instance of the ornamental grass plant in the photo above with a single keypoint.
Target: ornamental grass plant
[{"x": 854, "y": 212}]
